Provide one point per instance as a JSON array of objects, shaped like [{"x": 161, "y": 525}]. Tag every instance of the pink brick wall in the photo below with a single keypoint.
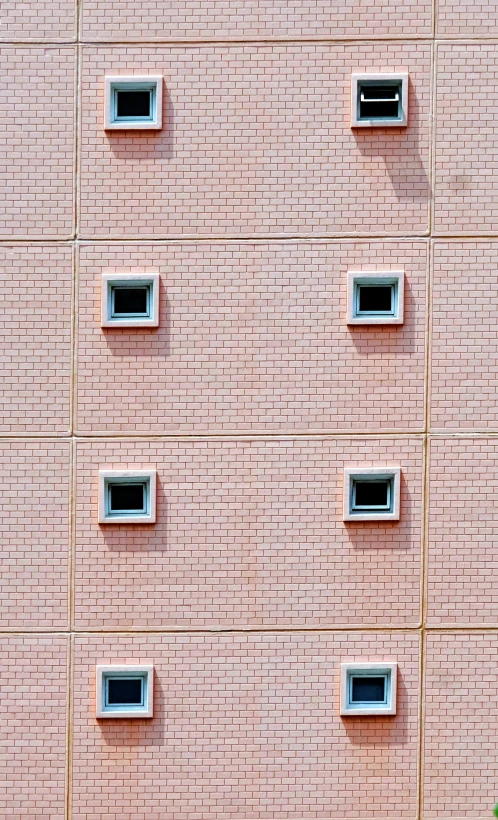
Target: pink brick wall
[
  {"x": 34, "y": 532},
  {"x": 252, "y": 204},
  {"x": 33, "y": 727},
  {"x": 41, "y": 20},
  {"x": 35, "y": 338},
  {"x": 465, "y": 180},
  {"x": 467, "y": 19},
  {"x": 37, "y": 149},
  {"x": 248, "y": 533},
  {"x": 269, "y": 152},
  {"x": 464, "y": 345},
  {"x": 267, "y": 321},
  {"x": 462, "y": 547},
  {"x": 128, "y": 20},
  {"x": 245, "y": 726},
  {"x": 460, "y": 758}
]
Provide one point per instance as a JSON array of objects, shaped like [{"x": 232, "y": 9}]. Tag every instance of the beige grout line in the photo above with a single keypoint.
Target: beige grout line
[
  {"x": 69, "y": 728},
  {"x": 398, "y": 435},
  {"x": 426, "y": 462},
  {"x": 217, "y": 436},
  {"x": 73, "y": 409},
  {"x": 72, "y": 536},
  {"x": 287, "y": 239},
  {"x": 269, "y": 239},
  {"x": 455, "y": 629},
  {"x": 260, "y": 239},
  {"x": 421, "y": 717},
  {"x": 423, "y": 39}
]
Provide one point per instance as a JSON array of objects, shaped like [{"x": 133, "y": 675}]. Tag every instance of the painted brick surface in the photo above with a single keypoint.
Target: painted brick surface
[
  {"x": 248, "y": 533},
  {"x": 41, "y": 19},
  {"x": 467, "y": 19},
  {"x": 252, "y": 395},
  {"x": 245, "y": 726},
  {"x": 33, "y": 726},
  {"x": 35, "y": 338},
  {"x": 460, "y": 758},
  {"x": 463, "y": 521},
  {"x": 466, "y": 181},
  {"x": 464, "y": 345},
  {"x": 128, "y": 20},
  {"x": 36, "y": 149},
  {"x": 252, "y": 337},
  {"x": 34, "y": 534},
  {"x": 267, "y": 151}
]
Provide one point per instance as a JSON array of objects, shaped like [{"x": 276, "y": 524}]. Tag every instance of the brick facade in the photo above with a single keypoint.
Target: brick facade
[{"x": 251, "y": 203}]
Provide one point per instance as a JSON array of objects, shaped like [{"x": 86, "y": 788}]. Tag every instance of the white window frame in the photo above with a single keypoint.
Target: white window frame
[
  {"x": 379, "y": 79},
  {"x": 392, "y": 474},
  {"x": 387, "y": 669},
  {"x": 109, "y": 477},
  {"x": 112, "y": 280},
  {"x": 358, "y": 278},
  {"x": 106, "y": 671},
  {"x": 114, "y": 84}
]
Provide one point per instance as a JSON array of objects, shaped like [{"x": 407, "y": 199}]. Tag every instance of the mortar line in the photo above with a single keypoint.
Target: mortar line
[
  {"x": 424, "y": 39},
  {"x": 284, "y": 435},
  {"x": 257, "y": 239},
  {"x": 232, "y": 436},
  {"x": 449, "y": 629},
  {"x": 69, "y": 727},
  {"x": 73, "y": 478},
  {"x": 427, "y": 415},
  {"x": 256, "y": 435}
]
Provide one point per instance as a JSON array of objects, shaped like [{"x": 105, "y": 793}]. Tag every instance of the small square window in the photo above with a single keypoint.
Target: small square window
[
  {"x": 371, "y": 494},
  {"x": 375, "y": 298},
  {"x": 124, "y": 691},
  {"x": 133, "y": 103},
  {"x": 368, "y": 688},
  {"x": 379, "y": 100},
  {"x": 127, "y": 497},
  {"x": 130, "y": 300}
]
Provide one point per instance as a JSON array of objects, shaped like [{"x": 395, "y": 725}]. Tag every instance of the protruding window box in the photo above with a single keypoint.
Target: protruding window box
[
  {"x": 124, "y": 691},
  {"x": 127, "y": 496},
  {"x": 375, "y": 298},
  {"x": 368, "y": 688},
  {"x": 133, "y": 103},
  {"x": 379, "y": 100},
  {"x": 130, "y": 300},
  {"x": 372, "y": 493}
]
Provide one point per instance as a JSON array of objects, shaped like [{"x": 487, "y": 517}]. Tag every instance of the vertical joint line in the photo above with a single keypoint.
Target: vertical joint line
[{"x": 69, "y": 727}]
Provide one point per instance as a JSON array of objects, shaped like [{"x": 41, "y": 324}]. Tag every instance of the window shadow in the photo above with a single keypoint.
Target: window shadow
[
  {"x": 390, "y": 340},
  {"x": 140, "y": 537},
  {"x": 397, "y": 535},
  {"x": 141, "y": 146},
  {"x": 399, "y": 148},
  {"x": 131, "y": 732},
  {"x": 143, "y": 342},
  {"x": 381, "y": 731}
]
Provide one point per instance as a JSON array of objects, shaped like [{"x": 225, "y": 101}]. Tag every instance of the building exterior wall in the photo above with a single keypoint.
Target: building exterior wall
[{"x": 252, "y": 203}]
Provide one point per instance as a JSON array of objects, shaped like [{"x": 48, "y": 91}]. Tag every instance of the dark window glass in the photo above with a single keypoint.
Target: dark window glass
[
  {"x": 386, "y": 107},
  {"x": 375, "y": 298},
  {"x": 368, "y": 690},
  {"x": 127, "y": 497},
  {"x": 130, "y": 301},
  {"x": 134, "y": 103},
  {"x": 123, "y": 692},
  {"x": 371, "y": 493}
]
